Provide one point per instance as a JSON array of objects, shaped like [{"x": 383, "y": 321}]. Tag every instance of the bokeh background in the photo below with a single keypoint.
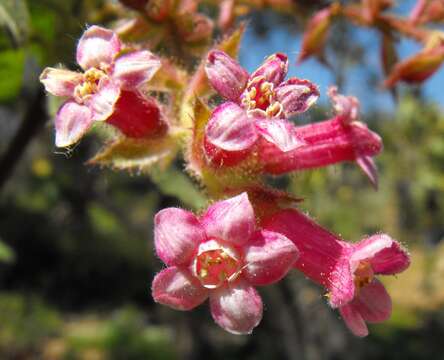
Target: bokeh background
[{"x": 76, "y": 248}]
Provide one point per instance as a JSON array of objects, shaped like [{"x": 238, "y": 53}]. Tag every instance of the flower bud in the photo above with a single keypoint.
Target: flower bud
[
  {"x": 316, "y": 32},
  {"x": 421, "y": 66}
]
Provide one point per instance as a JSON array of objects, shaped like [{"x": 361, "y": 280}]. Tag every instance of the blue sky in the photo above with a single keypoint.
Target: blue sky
[{"x": 255, "y": 48}]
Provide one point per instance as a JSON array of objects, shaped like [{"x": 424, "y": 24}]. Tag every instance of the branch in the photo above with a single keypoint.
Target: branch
[{"x": 33, "y": 121}]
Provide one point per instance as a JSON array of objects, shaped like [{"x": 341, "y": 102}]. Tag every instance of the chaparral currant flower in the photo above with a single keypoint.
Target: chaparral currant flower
[
  {"x": 220, "y": 255},
  {"x": 346, "y": 270},
  {"x": 342, "y": 138},
  {"x": 257, "y": 107},
  {"x": 108, "y": 90}
]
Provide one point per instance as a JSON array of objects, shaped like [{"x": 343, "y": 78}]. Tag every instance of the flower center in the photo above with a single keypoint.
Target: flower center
[
  {"x": 89, "y": 85},
  {"x": 259, "y": 96},
  {"x": 363, "y": 275},
  {"x": 215, "y": 264}
]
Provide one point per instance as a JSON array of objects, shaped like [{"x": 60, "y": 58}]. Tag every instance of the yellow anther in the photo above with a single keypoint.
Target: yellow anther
[
  {"x": 252, "y": 93},
  {"x": 266, "y": 88},
  {"x": 274, "y": 109},
  {"x": 203, "y": 273}
]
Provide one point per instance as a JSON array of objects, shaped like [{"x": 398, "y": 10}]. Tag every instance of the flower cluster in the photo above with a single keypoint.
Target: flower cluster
[{"x": 254, "y": 237}]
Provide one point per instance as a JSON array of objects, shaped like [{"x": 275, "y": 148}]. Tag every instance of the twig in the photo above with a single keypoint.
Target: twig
[{"x": 33, "y": 121}]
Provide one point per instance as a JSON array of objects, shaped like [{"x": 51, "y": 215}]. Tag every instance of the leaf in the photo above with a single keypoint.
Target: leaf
[
  {"x": 175, "y": 183},
  {"x": 231, "y": 43},
  {"x": 11, "y": 68},
  {"x": 6, "y": 253},
  {"x": 200, "y": 114},
  {"x": 139, "y": 155},
  {"x": 14, "y": 16}
]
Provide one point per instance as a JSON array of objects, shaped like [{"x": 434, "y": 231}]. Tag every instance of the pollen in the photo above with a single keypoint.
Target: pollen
[
  {"x": 90, "y": 84},
  {"x": 215, "y": 267},
  {"x": 363, "y": 275}
]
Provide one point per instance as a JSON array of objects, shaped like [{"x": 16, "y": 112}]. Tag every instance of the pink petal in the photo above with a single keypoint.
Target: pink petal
[
  {"x": 236, "y": 308},
  {"x": 386, "y": 255},
  {"x": 178, "y": 289},
  {"x": 60, "y": 82},
  {"x": 102, "y": 103},
  {"x": 268, "y": 258},
  {"x": 373, "y": 302},
  {"x": 225, "y": 74},
  {"x": 354, "y": 320},
  {"x": 230, "y": 220},
  {"x": 177, "y": 234},
  {"x": 133, "y": 69},
  {"x": 368, "y": 166},
  {"x": 72, "y": 122},
  {"x": 296, "y": 95},
  {"x": 341, "y": 284},
  {"x": 347, "y": 107},
  {"x": 97, "y": 47},
  {"x": 230, "y": 129},
  {"x": 280, "y": 133},
  {"x": 274, "y": 69}
]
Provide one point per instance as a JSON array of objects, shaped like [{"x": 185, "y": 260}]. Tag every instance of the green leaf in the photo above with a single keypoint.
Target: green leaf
[
  {"x": 14, "y": 16},
  {"x": 140, "y": 155},
  {"x": 11, "y": 68},
  {"x": 6, "y": 253},
  {"x": 174, "y": 183}
]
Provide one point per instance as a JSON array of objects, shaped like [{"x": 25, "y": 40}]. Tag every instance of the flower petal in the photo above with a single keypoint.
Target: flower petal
[
  {"x": 71, "y": 123},
  {"x": 348, "y": 107},
  {"x": 177, "y": 233},
  {"x": 225, "y": 74},
  {"x": 230, "y": 129},
  {"x": 354, "y": 320},
  {"x": 97, "y": 47},
  {"x": 274, "y": 69},
  {"x": 296, "y": 96},
  {"x": 368, "y": 166},
  {"x": 373, "y": 302},
  {"x": 230, "y": 220},
  {"x": 133, "y": 69},
  {"x": 60, "y": 82},
  {"x": 279, "y": 132},
  {"x": 386, "y": 255},
  {"x": 102, "y": 103},
  {"x": 341, "y": 284},
  {"x": 268, "y": 258},
  {"x": 236, "y": 308},
  {"x": 178, "y": 289}
]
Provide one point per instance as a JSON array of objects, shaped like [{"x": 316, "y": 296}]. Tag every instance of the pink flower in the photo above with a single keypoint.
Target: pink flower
[
  {"x": 346, "y": 270},
  {"x": 342, "y": 138},
  {"x": 221, "y": 255},
  {"x": 257, "y": 107},
  {"x": 108, "y": 90}
]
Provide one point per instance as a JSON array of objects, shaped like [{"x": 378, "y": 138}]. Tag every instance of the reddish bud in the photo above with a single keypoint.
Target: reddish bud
[
  {"x": 135, "y": 4},
  {"x": 316, "y": 32},
  {"x": 159, "y": 10},
  {"x": 195, "y": 27},
  {"x": 421, "y": 66}
]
